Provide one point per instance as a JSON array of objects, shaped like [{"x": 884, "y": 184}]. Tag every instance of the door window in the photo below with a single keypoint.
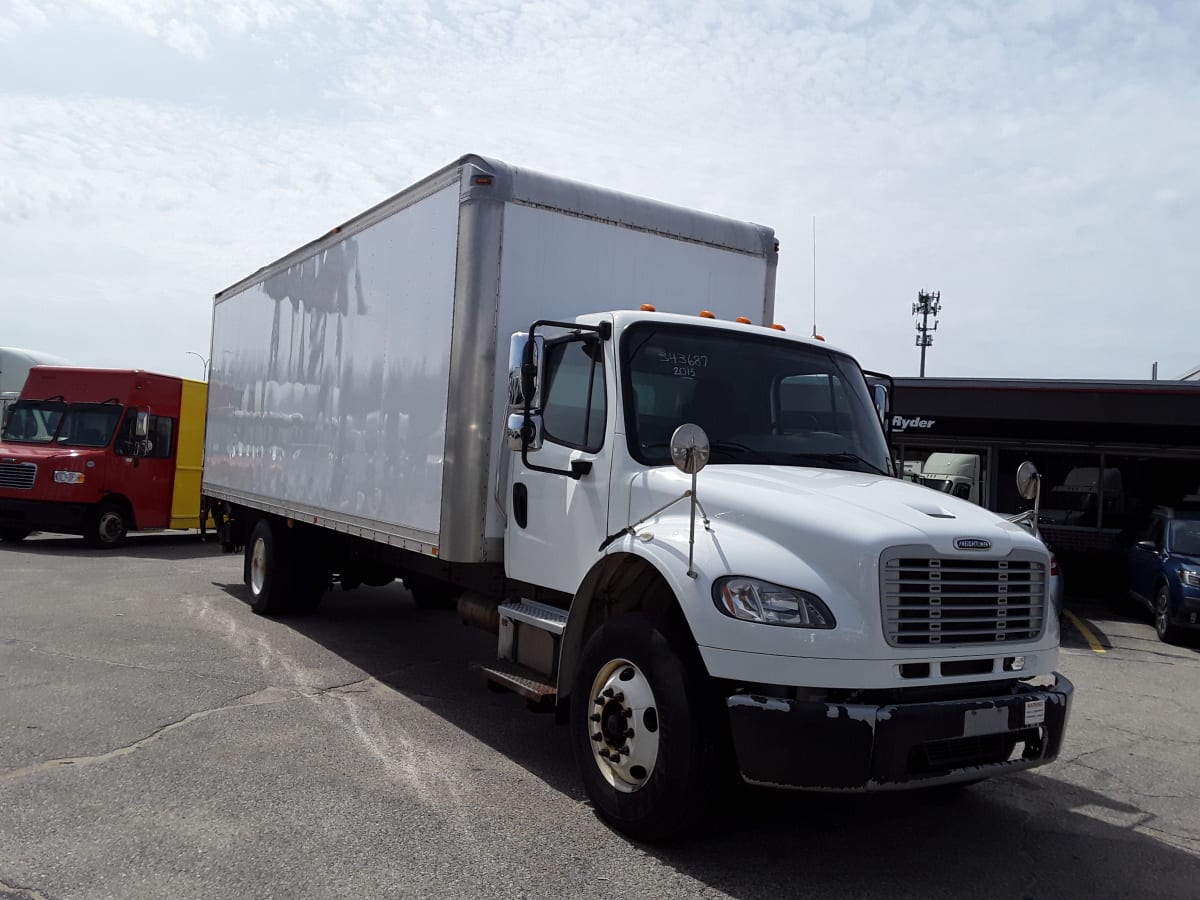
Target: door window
[{"x": 573, "y": 405}]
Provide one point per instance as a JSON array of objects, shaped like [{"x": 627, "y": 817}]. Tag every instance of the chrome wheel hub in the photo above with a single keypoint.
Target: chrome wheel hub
[
  {"x": 110, "y": 527},
  {"x": 258, "y": 566},
  {"x": 623, "y": 725}
]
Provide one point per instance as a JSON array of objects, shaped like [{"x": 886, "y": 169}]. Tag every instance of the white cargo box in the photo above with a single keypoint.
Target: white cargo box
[{"x": 360, "y": 382}]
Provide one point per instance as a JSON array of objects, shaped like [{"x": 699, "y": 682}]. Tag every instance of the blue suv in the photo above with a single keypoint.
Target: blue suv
[{"x": 1164, "y": 570}]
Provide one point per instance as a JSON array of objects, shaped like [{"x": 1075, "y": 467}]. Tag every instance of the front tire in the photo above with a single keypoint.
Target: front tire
[
  {"x": 643, "y": 729},
  {"x": 1167, "y": 633},
  {"x": 106, "y": 526}
]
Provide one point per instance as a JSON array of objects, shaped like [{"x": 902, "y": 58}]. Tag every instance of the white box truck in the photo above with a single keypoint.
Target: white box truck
[{"x": 502, "y": 387}]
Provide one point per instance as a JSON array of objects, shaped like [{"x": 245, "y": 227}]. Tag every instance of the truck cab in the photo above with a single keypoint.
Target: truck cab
[
  {"x": 959, "y": 474},
  {"x": 849, "y": 629},
  {"x": 100, "y": 452}
]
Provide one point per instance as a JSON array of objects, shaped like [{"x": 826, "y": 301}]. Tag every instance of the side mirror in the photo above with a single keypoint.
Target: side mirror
[
  {"x": 690, "y": 448},
  {"x": 523, "y": 433},
  {"x": 141, "y": 427},
  {"x": 1147, "y": 545},
  {"x": 524, "y": 358},
  {"x": 1029, "y": 481},
  {"x": 962, "y": 491},
  {"x": 881, "y": 401}
]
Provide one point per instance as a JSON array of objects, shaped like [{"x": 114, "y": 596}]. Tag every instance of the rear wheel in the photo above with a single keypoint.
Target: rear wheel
[
  {"x": 12, "y": 535},
  {"x": 283, "y": 574},
  {"x": 1167, "y": 633},
  {"x": 267, "y": 570},
  {"x": 106, "y": 526},
  {"x": 643, "y": 731}
]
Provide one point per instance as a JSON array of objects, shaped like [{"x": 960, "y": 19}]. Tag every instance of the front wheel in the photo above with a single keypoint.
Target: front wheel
[
  {"x": 106, "y": 527},
  {"x": 1167, "y": 633},
  {"x": 643, "y": 729}
]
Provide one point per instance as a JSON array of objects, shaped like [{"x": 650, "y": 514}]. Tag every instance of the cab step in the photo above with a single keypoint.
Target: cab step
[{"x": 520, "y": 680}]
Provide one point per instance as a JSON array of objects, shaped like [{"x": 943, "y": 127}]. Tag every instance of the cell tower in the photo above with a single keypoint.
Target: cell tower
[{"x": 929, "y": 303}]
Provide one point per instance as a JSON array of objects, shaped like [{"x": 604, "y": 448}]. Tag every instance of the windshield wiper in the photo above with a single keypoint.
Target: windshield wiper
[
  {"x": 733, "y": 447},
  {"x": 844, "y": 457}
]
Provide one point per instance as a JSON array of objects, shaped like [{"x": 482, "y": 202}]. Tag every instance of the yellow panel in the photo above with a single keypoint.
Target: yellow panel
[{"x": 189, "y": 455}]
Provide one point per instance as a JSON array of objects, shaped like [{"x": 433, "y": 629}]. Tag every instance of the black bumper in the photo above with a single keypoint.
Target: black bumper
[
  {"x": 849, "y": 746},
  {"x": 43, "y": 515}
]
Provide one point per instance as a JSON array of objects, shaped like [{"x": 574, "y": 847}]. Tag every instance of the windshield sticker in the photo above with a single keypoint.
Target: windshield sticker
[{"x": 683, "y": 365}]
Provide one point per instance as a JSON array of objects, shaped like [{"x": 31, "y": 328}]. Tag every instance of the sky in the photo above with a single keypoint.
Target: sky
[{"x": 1035, "y": 162}]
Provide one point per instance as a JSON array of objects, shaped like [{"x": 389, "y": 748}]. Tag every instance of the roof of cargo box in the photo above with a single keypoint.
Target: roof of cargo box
[
  {"x": 526, "y": 187},
  {"x": 577, "y": 198}
]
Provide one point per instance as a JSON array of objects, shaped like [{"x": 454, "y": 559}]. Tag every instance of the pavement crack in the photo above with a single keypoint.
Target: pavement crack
[
  {"x": 16, "y": 890},
  {"x": 34, "y": 648},
  {"x": 271, "y": 695},
  {"x": 1125, "y": 784}
]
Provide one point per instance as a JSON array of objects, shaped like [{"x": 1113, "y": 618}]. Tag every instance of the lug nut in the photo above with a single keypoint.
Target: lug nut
[
  {"x": 624, "y": 750},
  {"x": 627, "y": 713},
  {"x": 607, "y": 692},
  {"x": 603, "y": 754},
  {"x": 597, "y": 737},
  {"x": 595, "y": 717},
  {"x": 628, "y": 733}
]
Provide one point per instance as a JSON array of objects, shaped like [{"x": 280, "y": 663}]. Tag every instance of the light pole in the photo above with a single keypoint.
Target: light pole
[{"x": 203, "y": 361}]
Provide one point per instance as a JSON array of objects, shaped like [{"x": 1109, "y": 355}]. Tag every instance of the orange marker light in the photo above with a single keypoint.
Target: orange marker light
[
  {"x": 819, "y": 337},
  {"x": 482, "y": 179},
  {"x": 648, "y": 307},
  {"x": 742, "y": 320},
  {"x": 778, "y": 327},
  {"x": 707, "y": 314}
]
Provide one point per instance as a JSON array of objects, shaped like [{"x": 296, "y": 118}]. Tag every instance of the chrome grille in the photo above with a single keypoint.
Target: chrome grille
[
  {"x": 951, "y": 601},
  {"x": 17, "y": 475}
]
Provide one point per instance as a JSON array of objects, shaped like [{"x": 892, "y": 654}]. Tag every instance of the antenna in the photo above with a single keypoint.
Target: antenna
[
  {"x": 929, "y": 303},
  {"x": 814, "y": 334}
]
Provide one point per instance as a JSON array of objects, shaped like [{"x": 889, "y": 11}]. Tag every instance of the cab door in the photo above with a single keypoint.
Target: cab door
[
  {"x": 1145, "y": 560},
  {"x": 556, "y": 522},
  {"x": 144, "y": 469}
]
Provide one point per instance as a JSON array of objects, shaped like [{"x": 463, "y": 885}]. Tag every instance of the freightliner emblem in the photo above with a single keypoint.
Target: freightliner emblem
[{"x": 973, "y": 544}]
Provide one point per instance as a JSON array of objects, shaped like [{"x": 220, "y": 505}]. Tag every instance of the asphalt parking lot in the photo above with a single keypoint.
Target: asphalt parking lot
[{"x": 157, "y": 739}]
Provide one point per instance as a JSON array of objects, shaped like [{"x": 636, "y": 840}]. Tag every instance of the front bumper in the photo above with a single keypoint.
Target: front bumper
[
  {"x": 42, "y": 515},
  {"x": 1187, "y": 609},
  {"x": 853, "y": 746}
]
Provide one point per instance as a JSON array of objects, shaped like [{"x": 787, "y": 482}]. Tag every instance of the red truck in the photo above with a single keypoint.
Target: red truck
[{"x": 100, "y": 452}]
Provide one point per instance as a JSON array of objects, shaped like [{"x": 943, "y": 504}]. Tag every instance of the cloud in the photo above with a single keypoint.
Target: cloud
[{"x": 1034, "y": 162}]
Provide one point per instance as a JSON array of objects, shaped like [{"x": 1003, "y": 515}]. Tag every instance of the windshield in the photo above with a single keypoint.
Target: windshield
[
  {"x": 33, "y": 421},
  {"x": 76, "y": 425},
  {"x": 1185, "y": 537},
  {"x": 945, "y": 485},
  {"x": 89, "y": 424},
  {"x": 759, "y": 399}
]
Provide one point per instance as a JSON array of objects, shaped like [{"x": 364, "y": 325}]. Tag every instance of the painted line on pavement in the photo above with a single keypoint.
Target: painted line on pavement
[{"x": 1088, "y": 636}]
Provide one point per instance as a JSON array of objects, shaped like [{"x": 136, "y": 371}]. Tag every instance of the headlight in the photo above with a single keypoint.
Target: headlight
[
  {"x": 61, "y": 477},
  {"x": 1190, "y": 578},
  {"x": 770, "y": 604}
]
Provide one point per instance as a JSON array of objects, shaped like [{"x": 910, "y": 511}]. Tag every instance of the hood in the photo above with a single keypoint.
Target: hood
[
  {"x": 833, "y": 508},
  {"x": 44, "y": 453}
]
